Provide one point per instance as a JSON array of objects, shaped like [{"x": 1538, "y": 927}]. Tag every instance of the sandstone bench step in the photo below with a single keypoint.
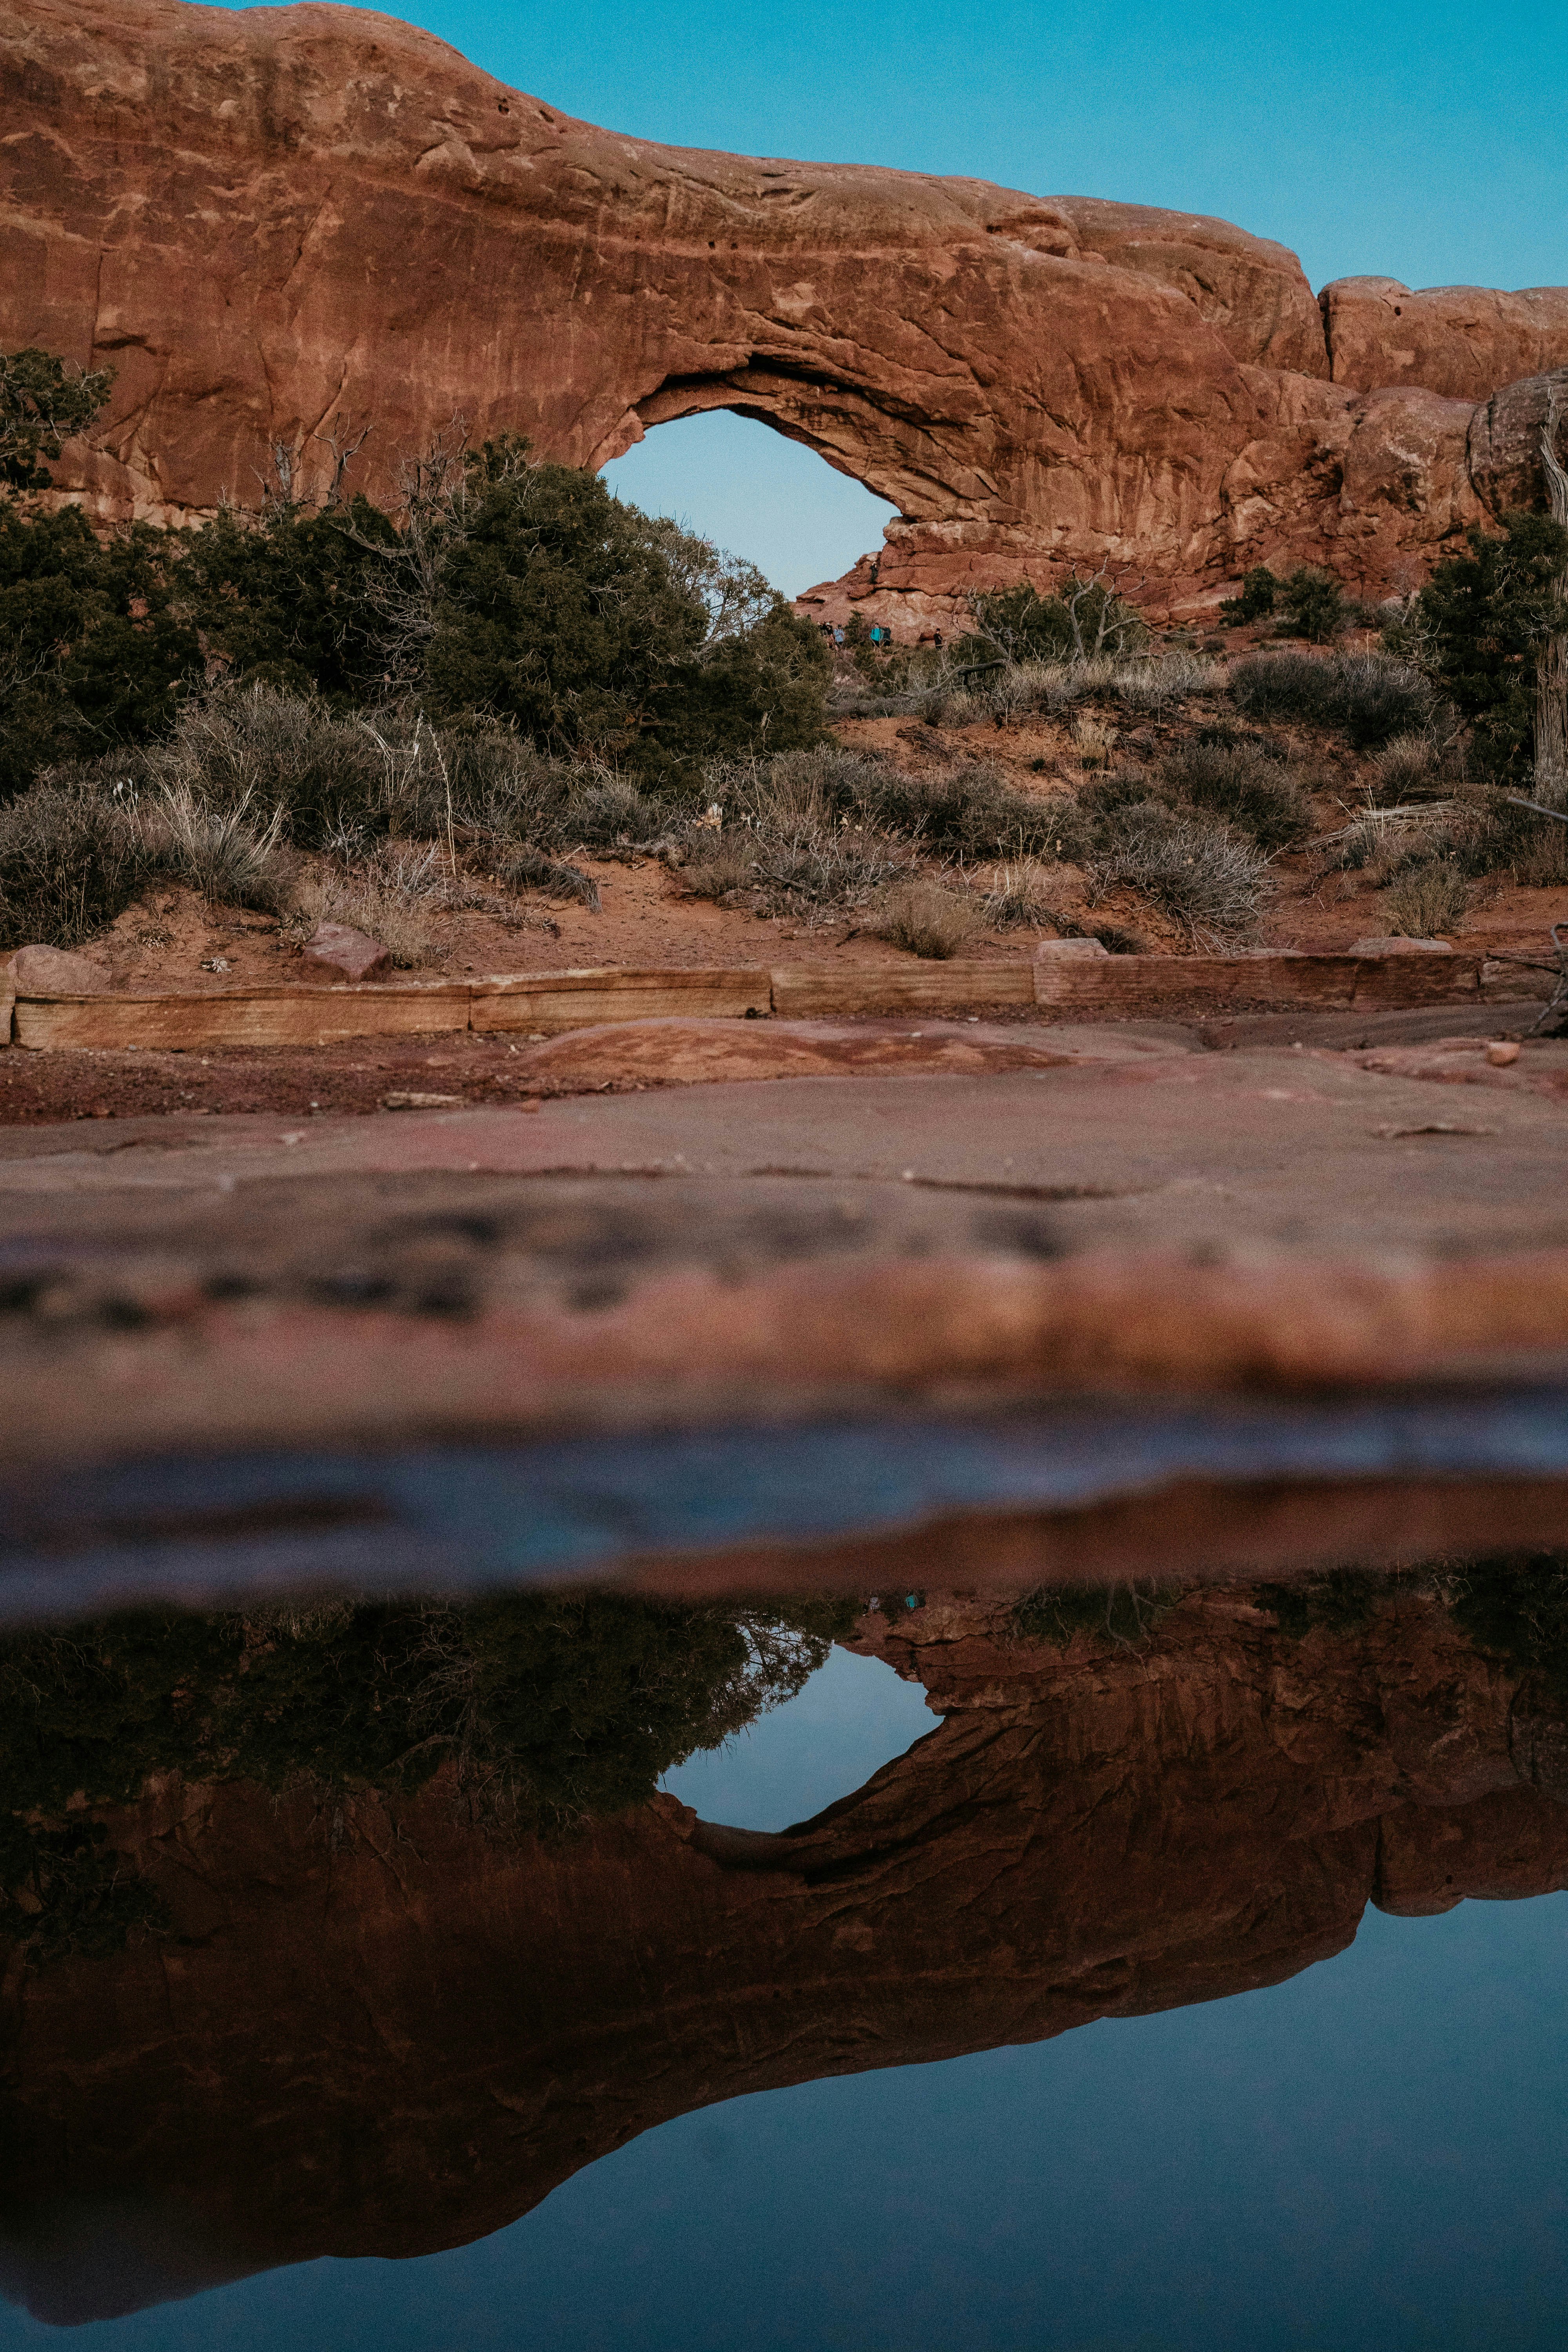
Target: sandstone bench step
[{"x": 547, "y": 1002}]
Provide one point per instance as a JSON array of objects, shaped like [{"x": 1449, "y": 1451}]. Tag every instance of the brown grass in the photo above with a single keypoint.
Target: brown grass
[{"x": 928, "y": 920}]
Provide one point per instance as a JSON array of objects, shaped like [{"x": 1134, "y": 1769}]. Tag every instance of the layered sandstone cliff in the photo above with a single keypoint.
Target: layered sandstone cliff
[
  {"x": 366, "y": 2028},
  {"x": 281, "y": 222}
]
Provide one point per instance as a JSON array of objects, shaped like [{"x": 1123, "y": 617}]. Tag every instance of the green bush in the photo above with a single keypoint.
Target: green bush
[
  {"x": 1476, "y": 625},
  {"x": 92, "y": 652},
  {"x": 1084, "y": 620},
  {"x": 1312, "y": 605},
  {"x": 293, "y": 600},
  {"x": 44, "y": 401},
  {"x": 585, "y": 625},
  {"x": 1259, "y": 589},
  {"x": 502, "y": 595}
]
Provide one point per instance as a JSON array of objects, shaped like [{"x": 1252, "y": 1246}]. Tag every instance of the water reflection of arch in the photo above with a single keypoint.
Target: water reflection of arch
[{"x": 391, "y": 2033}]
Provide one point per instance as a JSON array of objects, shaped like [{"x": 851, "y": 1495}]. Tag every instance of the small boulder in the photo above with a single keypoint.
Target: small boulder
[
  {"x": 1400, "y": 947},
  {"x": 1071, "y": 948},
  {"x": 345, "y": 953},
  {"x": 55, "y": 971}
]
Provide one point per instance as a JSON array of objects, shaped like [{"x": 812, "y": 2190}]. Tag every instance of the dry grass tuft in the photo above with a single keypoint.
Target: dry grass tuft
[
  {"x": 1428, "y": 900},
  {"x": 395, "y": 897},
  {"x": 928, "y": 920},
  {"x": 218, "y": 851}
]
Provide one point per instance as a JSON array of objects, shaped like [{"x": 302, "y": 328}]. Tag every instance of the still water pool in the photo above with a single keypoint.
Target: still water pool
[{"x": 1122, "y": 1968}]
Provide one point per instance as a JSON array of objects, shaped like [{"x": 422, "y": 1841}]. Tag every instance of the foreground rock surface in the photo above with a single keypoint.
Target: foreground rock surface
[
  {"x": 402, "y": 2038},
  {"x": 1032, "y": 381},
  {"x": 1266, "y": 1219}
]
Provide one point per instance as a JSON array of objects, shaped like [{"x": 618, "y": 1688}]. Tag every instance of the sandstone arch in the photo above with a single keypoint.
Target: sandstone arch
[{"x": 274, "y": 221}]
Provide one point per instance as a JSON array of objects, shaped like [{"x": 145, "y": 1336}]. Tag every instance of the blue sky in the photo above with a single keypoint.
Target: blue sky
[{"x": 1414, "y": 141}]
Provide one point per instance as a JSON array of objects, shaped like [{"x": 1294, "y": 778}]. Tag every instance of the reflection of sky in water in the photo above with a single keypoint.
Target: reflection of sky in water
[
  {"x": 851, "y": 1716},
  {"x": 1373, "y": 2157}
]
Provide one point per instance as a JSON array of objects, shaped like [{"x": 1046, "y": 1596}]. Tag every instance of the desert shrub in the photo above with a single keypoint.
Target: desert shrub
[
  {"x": 1256, "y": 602},
  {"x": 1155, "y": 685},
  {"x": 1025, "y": 895},
  {"x": 1372, "y": 698},
  {"x": 1477, "y": 626},
  {"x": 1312, "y": 605},
  {"x": 787, "y": 848},
  {"x": 1382, "y": 842},
  {"x": 1192, "y": 867},
  {"x": 529, "y": 869},
  {"x": 1263, "y": 798},
  {"x": 1124, "y": 1613},
  {"x": 1379, "y": 699},
  {"x": 1516, "y": 1607},
  {"x": 1286, "y": 686},
  {"x": 1408, "y": 768},
  {"x": 603, "y": 810},
  {"x": 281, "y": 755},
  {"x": 1486, "y": 832},
  {"x": 928, "y": 920},
  {"x": 73, "y": 857},
  {"x": 726, "y": 861},
  {"x": 969, "y": 811},
  {"x": 397, "y": 895},
  {"x": 1427, "y": 898},
  {"x": 802, "y": 868},
  {"x": 1093, "y": 742},
  {"x": 1085, "y": 617}
]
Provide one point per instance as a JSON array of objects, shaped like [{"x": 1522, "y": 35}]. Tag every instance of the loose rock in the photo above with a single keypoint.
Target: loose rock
[{"x": 346, "y": 954}]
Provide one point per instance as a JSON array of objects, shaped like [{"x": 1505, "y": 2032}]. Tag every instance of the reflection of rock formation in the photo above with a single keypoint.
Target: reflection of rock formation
[
  {"x": 276, "y": 223},
  {"x": 375, "y": 2031}
]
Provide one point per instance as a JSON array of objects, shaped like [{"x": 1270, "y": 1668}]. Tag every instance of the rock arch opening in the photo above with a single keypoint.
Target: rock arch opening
[{"x": 757, "y": 493}]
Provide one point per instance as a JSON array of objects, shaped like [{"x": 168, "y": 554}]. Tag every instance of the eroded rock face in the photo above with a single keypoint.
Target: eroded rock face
[
  {"x": 1462, "y": 342},
  {"x": 385, "y": 2032},
  {"x": 279, "y": 224}
]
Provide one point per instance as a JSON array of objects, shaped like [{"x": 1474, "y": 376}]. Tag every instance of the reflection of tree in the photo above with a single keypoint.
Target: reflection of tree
[{"x": 546, "y": 1711}]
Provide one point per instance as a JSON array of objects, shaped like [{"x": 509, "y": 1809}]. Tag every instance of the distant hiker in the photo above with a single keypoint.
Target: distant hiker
[{"x": 838, "y": 637}]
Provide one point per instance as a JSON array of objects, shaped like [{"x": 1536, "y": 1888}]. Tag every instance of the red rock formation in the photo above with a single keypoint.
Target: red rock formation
[
  {"x": 1462, "y": 342},
  {"x": 278, "y": 223},
  {"x": 386, "y": 2033}
]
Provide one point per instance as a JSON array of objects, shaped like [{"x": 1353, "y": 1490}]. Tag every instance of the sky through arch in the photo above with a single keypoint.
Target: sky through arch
[{"x": 755, "y": 492}]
